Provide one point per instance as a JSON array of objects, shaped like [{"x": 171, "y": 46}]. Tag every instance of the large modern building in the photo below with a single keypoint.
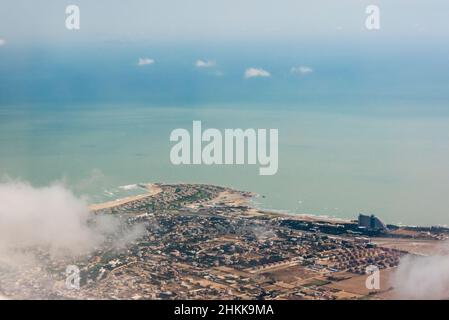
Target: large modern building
[{"x": 371, "y": 222}]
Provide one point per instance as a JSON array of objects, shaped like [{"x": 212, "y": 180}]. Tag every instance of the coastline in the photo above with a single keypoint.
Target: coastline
[
  {"x": 225, "y": 217},
  {"x": 152, "y": 188},
  {"x": 238, "y": 198}
]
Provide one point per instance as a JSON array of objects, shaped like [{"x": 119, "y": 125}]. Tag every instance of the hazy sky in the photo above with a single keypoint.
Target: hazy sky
[{"x": 43, "y": 21}]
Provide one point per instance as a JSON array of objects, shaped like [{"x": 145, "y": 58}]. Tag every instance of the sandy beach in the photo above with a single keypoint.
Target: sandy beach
[{"x": 152, "y": 190}]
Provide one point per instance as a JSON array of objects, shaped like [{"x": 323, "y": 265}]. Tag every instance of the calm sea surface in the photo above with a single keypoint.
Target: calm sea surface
[{"x": 355, "y": 135}]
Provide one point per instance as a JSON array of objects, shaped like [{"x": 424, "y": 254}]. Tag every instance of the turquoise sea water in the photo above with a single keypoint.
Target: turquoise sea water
[{"x": 359, "y": 134}]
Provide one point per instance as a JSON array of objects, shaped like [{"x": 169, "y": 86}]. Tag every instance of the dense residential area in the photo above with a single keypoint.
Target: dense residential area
[{"x": 209, "y": 242}]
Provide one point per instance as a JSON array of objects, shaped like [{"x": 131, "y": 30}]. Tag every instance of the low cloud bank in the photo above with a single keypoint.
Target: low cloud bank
[
  {"x": 422, "y": 277},
  {"x": 54, "y": 219}
]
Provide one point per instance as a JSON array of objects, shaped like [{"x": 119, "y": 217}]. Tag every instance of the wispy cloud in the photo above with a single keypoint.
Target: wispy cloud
[
  {"x": 145, "y": 62},
  {"x": 2, "y": 42},
  {"x": 51, "y": 218},
  {"x": 256, "y": 72},
  {"x": 301, "y": 70},
  {"x": 205, "y": 63},
  {"x": 423, "y": 277}
]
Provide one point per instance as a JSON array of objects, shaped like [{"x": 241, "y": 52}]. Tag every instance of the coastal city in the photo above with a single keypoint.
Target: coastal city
[
  {"x": 214, "y": 159},
  {"x": 209, "y": 242}
]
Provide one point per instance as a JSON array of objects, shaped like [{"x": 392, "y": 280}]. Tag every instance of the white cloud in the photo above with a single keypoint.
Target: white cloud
[
  {"x": 205, "y": 63},
  {"x": 256, "y": 72},
  {"x": 145, "y": 61},
  {"x": 422, "y": 277},
  {"x": 50, "y": 218},
  {"x": 2, "y": 42},
  {"x": 301, "y": 70}
]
